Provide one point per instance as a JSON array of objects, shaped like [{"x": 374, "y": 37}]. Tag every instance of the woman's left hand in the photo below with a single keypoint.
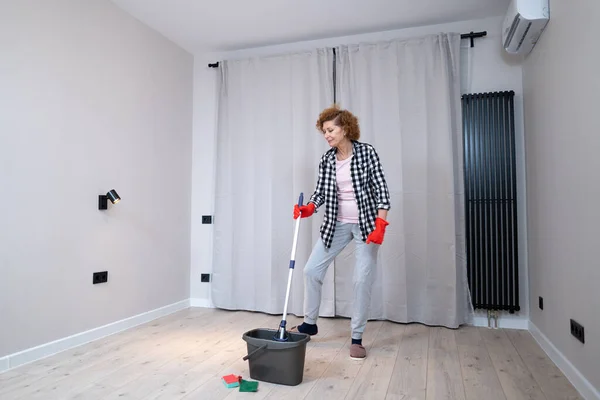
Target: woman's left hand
[{"x": 377, "y": 235}]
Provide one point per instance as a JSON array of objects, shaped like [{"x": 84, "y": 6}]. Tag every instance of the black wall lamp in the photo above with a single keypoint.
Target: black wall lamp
[{"x": 103, "y": 199}]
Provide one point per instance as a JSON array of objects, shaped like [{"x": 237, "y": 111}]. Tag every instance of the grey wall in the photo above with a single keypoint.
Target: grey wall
[
  {"x": 562, "y": 136},
  {"x": 90, "y": 100}
]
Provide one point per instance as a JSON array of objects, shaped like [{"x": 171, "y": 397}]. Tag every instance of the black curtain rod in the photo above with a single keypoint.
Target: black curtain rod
[{"x": 471, "y": 35}]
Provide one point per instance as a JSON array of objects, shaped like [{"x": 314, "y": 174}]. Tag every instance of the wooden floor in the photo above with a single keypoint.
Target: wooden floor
[{"x": 184, "y": 355}]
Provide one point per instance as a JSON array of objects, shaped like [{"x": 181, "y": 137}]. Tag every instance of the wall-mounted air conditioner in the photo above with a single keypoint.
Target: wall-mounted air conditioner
[{"x": 523, "y": 24}]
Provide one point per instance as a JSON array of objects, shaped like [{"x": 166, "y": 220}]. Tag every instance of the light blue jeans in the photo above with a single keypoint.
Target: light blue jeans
[{"x": 364, "y": 272}]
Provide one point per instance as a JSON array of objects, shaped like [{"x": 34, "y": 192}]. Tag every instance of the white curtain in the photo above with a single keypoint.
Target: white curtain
[
  {"x": 268, "y": 151},
  {"x": 406, "y": 94}
]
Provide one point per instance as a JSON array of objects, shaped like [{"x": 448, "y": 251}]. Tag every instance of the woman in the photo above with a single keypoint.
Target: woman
[{"x": 352, "y": 187}]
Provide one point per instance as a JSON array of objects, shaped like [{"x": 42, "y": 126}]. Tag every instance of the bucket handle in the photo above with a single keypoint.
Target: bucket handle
[{"x": 264, "y": 346}]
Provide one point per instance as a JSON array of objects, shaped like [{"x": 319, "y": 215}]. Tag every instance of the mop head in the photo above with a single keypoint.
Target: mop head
[
  {"x": 282, "y": 334},
  {"x": 280, "y": 338}
]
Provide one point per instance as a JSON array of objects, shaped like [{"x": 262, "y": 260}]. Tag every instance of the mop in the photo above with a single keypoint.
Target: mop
[
  {"x": 282, "y": 334},
  {"x": 275, "y": 355}
]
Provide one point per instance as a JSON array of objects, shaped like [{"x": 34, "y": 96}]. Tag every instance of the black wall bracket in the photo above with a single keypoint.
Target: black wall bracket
[{"x": 473, "y": 35}]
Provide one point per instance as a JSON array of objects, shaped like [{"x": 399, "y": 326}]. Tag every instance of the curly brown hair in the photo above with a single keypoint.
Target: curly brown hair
[{"x": 342, "y": 118}]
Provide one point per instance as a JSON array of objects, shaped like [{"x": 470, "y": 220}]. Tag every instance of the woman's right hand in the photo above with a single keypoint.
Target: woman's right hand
[{"x": 305, "y": 211}]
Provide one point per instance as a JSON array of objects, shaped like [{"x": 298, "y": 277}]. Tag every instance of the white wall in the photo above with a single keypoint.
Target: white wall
[
  {"x": 562, "y": 137},
  {"x": 90, "y": 100},
  {"x": 488, "y": 70}
]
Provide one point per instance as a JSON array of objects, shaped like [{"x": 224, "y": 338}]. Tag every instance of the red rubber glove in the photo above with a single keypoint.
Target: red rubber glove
[
  {"x": 306, "y": 210},
  {"x": 377, "y": 235}
]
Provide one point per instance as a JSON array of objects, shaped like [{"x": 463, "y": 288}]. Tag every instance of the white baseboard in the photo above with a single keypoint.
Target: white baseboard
[
  {"x": 503, "y": 322},
  {"x": 3, "y": 364},
  {"x": 579, "y": 381},
  {"x": 35, "y": 353},
  {"x": 204, "y": 303}
]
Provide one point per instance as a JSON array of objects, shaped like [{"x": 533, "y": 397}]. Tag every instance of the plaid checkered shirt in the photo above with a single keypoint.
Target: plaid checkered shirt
[{"x": 370, "y": 189}]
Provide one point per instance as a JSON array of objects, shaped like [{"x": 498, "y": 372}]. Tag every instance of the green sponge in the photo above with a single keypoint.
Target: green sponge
[{"x": 248, "y": 386}]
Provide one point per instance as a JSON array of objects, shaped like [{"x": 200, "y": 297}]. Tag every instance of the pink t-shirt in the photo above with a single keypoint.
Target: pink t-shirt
[{"x": 347, "y": 207}]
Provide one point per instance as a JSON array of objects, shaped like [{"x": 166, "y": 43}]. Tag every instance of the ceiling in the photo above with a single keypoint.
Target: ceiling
[{"x": 223, "y": 25}]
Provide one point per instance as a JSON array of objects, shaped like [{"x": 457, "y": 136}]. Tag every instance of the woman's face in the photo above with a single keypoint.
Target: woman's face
[{"x": 333, "y": 134}]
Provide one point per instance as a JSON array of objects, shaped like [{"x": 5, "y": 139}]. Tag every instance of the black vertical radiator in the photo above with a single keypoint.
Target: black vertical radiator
[{"x": 491, "y": 200}]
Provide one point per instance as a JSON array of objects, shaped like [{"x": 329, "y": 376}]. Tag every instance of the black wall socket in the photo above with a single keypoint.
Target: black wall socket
[
  {"x": 205, "y": 278},
  {"x": 577, "y": 331},
  {"x": 100, "y": 277},
  {"x": 541, "y": 303},
  {"x": 207, "y": 219}
]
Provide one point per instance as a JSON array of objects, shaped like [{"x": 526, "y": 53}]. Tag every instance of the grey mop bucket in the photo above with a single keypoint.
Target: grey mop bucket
[{"x": 274, "y": 361}]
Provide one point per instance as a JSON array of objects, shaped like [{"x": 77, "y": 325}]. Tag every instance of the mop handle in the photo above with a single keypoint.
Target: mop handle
[
  {"x": 293, "y": 256},
  {"x": 291, "y": 272}
]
